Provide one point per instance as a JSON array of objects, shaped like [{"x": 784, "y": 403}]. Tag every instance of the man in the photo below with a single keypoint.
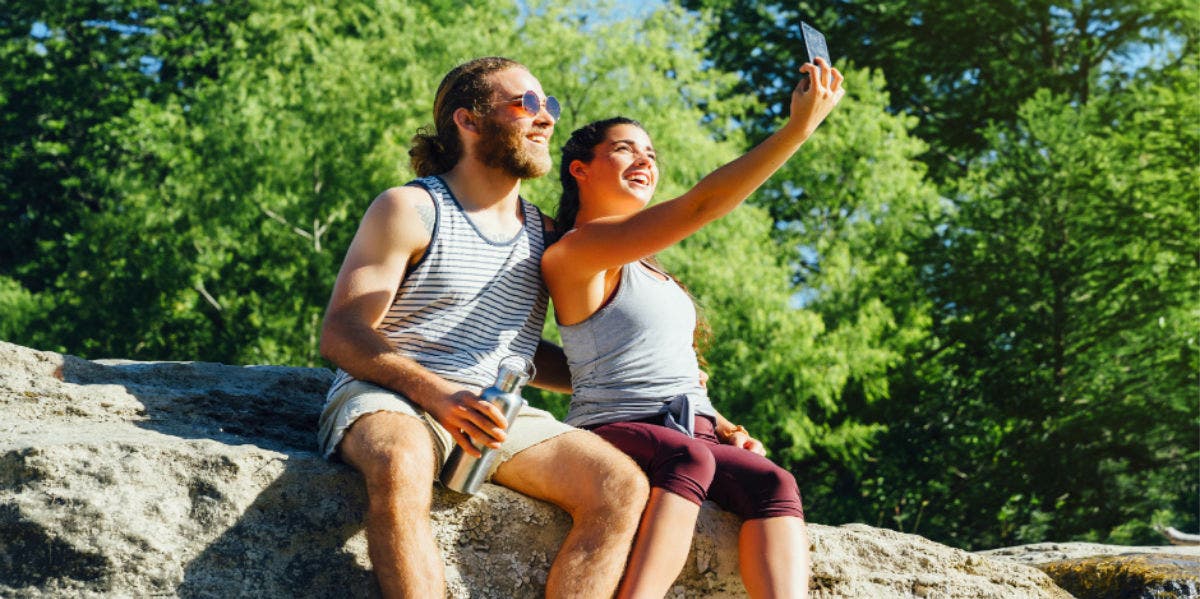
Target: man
[{"x": 440, "y": 283}]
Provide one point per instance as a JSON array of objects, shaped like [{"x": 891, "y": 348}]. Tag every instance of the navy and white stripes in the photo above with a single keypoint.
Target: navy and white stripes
[{"x": 470, "y": 301}]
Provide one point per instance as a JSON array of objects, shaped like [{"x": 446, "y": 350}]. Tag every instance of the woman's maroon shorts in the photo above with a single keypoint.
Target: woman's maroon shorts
[{"x": 700, "y": 468}]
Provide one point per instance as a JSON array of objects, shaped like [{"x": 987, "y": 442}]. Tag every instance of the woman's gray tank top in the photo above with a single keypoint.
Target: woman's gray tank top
[{"x": 633, "y": 358}]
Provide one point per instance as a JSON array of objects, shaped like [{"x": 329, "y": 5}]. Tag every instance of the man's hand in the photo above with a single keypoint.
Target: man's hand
[{"x": 471, "y": 421}]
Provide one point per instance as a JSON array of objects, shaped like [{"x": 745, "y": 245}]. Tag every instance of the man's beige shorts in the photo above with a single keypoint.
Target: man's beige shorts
[{"x": 358, "y": 398}]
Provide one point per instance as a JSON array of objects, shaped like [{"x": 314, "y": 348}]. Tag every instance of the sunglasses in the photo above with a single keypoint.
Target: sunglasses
[{"x": 532, "y": 104}]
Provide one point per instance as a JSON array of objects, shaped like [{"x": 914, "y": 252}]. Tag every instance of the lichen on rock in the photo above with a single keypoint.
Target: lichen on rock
[{"x": 1135, "y": 576}]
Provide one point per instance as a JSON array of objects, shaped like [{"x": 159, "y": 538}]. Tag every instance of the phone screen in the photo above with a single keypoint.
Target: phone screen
[{"x": 814, "y": 44}]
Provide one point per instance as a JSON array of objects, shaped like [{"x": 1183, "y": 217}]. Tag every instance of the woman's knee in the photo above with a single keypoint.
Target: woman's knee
[
  {"x": 779, "y": 482},
  {"x": 762, "y": 492},
  {"x": 687, "y": 470}
]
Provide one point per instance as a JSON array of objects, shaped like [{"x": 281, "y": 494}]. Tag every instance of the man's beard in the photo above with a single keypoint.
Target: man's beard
[{"x": 504, "y": 148}]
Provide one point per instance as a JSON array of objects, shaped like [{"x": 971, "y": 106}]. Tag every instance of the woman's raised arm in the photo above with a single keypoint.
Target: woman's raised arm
[{"x": 609, "y": 242}]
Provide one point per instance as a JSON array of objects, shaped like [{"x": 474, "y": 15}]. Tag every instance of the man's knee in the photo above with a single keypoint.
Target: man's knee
[
  {"x": 618, "y": 490},
  {"x": 392, "y": 451},
  {"x": 627, "y": 479}
]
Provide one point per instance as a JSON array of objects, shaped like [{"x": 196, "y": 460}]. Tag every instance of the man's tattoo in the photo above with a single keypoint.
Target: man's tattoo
[{"x": 428, "y": 215}]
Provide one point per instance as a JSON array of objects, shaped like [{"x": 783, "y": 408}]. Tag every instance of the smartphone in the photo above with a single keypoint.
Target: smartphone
[{"x": 814, "y": 44}]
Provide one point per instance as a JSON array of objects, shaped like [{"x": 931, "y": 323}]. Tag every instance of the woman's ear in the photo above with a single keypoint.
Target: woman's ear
[
  {"x": 466, "y": 120},
  {"x": 578, "y": 170}
]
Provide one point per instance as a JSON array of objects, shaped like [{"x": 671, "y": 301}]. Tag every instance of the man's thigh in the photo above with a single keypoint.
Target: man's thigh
[
  {"x": 569, "y": 469},
  {"x": 357, "y": 399},
  {"x": 389, "y": 445}
]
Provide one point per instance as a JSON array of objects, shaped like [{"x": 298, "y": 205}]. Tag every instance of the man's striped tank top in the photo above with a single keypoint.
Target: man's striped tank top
[{"x": 469, "y": 302}]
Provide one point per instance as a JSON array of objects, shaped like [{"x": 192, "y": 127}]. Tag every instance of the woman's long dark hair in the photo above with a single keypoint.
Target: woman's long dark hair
[
  {"x": 582, "y": 146},
  {"x": 466, "y": 86}
]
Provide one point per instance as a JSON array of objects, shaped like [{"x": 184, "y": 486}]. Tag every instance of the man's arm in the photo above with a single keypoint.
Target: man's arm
[
  {"x": 394, "y": 232},
  {"x": 553, "y": 374},
  {"x": 552, "y": 371}
]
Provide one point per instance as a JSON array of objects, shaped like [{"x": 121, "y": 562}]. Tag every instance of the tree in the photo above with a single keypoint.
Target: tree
[
  {"x": 67, "y": 69},
  {"x": 1063, "y": 404},
  {"x": 237, "y": 201},
  {"x": 957, "y": 66},
  {"x": 1019, "y": 316}
]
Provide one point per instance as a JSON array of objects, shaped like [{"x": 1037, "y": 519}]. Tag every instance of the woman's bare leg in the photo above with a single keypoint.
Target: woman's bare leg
[
  {"x": 773, "y": 557},
  {"x": 661, "y": 548}
]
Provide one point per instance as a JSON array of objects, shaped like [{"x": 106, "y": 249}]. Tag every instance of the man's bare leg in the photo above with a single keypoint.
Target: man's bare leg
[
  {"x": 602, "y": 489},
  {"x": 395, "y": 455}
]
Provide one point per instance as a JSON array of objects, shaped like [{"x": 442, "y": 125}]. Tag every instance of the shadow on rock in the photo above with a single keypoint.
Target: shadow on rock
[
  {"x": 299, "y": 535},
  {"x": 275, "y": 407},
  {"x": 297, "y": 539}
]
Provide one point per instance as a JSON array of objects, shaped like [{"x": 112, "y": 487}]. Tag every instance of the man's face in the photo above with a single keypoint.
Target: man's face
[{"x": 509, "y": 137}]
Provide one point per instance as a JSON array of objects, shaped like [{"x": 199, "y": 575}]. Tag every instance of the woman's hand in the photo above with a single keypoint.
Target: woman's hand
[
  {"x": 739, "y": 437},
  {"x": 815, "y": 96}
]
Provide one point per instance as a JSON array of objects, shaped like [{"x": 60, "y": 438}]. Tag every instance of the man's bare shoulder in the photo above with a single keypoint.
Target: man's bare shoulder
[{"x": 404, "y": 205}]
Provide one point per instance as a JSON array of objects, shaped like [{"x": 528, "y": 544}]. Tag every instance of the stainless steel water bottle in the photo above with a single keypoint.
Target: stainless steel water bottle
[{"x": 463, "y": 472}]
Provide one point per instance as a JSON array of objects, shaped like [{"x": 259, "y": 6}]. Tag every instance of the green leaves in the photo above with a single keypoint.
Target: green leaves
[
  {"x": 67, "y": 68},
  {"x": 1012, "y": 359},
  {"x": 1027, "y": 338},
  {"x": 1063, "y": 272}
]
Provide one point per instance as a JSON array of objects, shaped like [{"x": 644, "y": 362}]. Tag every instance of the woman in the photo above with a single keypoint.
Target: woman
[{"x": 627, "y": 330}]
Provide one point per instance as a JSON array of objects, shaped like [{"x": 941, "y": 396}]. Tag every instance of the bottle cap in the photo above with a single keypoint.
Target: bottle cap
[{"x": 513, "y": 372}]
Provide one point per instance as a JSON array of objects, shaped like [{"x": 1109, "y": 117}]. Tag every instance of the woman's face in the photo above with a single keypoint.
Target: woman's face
[{"x": 623, "y": 166}]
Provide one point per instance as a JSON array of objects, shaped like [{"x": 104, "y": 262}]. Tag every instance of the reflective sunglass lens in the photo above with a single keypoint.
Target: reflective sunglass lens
[{"x": 532, "y": 104}]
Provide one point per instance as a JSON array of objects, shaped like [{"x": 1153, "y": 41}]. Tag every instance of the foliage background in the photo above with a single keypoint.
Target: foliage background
[{"x": 967, "y": 308}]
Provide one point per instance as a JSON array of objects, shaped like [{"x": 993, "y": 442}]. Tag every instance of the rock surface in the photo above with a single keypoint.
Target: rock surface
[
  {"x": 133, "y": 479},
  {"x": 1134, "y": 575},
  {"x": 1092, "y": 571},
  {"x": 1044, "y": 553}
]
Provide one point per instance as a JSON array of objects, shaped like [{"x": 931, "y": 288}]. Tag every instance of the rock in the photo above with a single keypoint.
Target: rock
[
  {"x": 1090, "y": 570},
  {"x": 1178, "y": 537},
  {"x": 1133, "y": 576},
  {"x": 1044, "y": 553},
  {"x": 856, "y": 560},
  {"x": 137, "y": 479}
]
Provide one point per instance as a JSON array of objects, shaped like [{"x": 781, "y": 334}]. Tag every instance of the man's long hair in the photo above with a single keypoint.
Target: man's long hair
[{"x": 466, "y": 86}]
